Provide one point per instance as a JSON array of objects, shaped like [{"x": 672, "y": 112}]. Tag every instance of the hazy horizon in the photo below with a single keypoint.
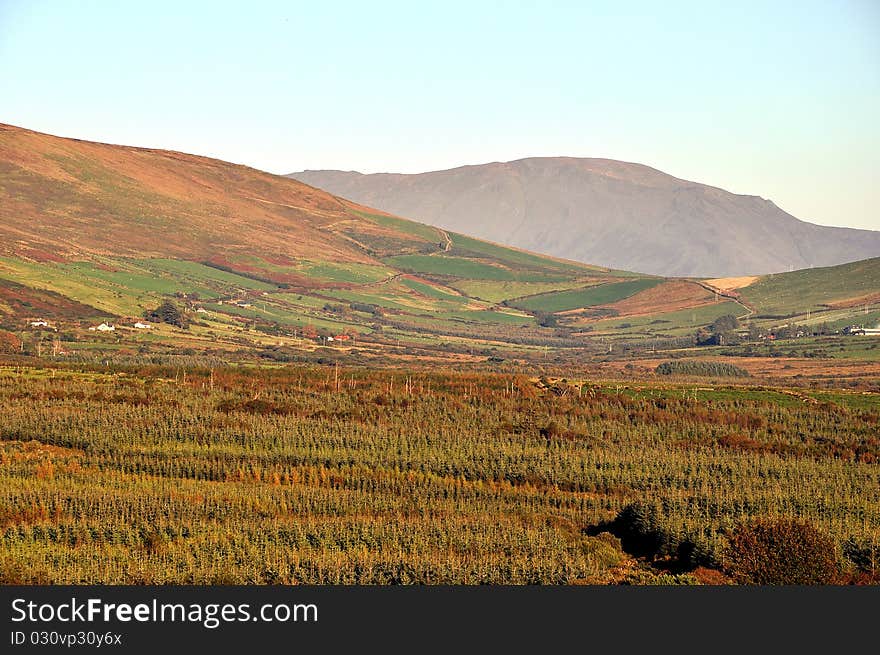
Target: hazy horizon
[{"x": 755, "y": 99}]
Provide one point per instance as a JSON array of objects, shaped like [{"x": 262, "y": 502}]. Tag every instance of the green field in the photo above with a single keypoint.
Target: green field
[
  {"x": 419, "y": 230},
  {"x": 115, "y": 292},
  {"x": 203, "y": 275},
  {"x": 468, "y": 269},
  {"x": 855, "y": 348},
  {"x": 433, "y": 292},
  {"x": 497, "y": 291},
  {"x": 126, "y": 286},
  {"x": 282, "y": 316},
  {"x": 683, "y": 320},
  {"x": 587, "y": 297},
  {"x": 319, "y": 271},
  {"x": 467, "y": 247},
  {"x": 487, "y": 316},
  {"x": 787, "y": 294},
  {"x": 390, "y": 298}
]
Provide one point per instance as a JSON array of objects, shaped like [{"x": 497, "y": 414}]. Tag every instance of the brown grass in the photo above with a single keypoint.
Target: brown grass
[
  {"x": 68, "y": 198},
  {"x": 19, "y": 303},
  {"x": 847, "y": 303},
  {"x": 666, "y": 297},
  {"x": 731, "y": 283}
]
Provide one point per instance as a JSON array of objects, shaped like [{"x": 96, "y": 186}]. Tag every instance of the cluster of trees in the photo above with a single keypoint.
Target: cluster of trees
[
  {"x": 701, "y": 368},
  {"x": 546, "y": 319},
  {"x": 722, "y": 331},
  {"x": 169, "y": 313}
]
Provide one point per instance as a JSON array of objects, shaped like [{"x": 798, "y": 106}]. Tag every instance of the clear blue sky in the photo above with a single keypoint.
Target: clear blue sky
[{"x": 778, "y": 99}]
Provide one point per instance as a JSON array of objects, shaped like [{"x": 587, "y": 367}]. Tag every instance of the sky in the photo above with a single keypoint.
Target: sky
[{"x": 776, "y": 99}]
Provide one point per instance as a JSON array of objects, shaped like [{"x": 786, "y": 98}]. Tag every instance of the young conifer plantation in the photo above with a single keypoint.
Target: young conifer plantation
[{"x": 298, "y": 474}]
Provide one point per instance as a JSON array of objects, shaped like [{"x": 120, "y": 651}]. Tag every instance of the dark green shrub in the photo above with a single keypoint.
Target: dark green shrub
[
  {"x": 715, "y": 369},
  {"x": 864, "y": 555},
  {"x": 638, "y": 525},
  {"x": 169, "y": 313}
]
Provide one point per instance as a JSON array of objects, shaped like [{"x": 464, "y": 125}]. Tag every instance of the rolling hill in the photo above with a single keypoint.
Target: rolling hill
[
  {"x": 852, "y": 285},
  {"x": 607, "y": 212}
]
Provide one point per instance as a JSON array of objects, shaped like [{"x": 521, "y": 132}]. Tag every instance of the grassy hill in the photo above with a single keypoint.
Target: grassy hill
[{"x": 834, "y": 287}]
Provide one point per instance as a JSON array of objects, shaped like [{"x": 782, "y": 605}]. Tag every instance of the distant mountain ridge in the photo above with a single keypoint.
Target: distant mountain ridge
[{"x": 607, "y": 212}]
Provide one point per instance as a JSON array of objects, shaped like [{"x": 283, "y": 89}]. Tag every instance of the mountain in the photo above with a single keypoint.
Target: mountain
[{"x": 607, "y": 212}]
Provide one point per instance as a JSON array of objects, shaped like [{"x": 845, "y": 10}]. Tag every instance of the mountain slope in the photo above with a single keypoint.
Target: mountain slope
[
  {"x": 71, "y": 198},
  {"x": 113, "y": 231},
  {"x": 607, "y": 212}
]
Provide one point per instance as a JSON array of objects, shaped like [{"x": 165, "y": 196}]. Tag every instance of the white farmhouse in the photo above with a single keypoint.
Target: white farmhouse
[
  {"x": 103, "y": 327},
  {"x": 143, "y": 326}
]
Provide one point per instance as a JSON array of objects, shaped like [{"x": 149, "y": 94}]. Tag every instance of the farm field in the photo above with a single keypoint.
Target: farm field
[
  {"x": 594, "y": 295},
  {"x": 679, "y": 322},
  {"x": 256, "y": 475},
  {"x": 469, "y": 269}
]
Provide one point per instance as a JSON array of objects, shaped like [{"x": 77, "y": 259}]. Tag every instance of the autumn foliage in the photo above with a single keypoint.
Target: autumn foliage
[{"x": 781, "y": 552}]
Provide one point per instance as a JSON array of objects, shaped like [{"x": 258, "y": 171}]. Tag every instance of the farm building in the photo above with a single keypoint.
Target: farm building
[
  {"x": 858, "y": 330},
  {"x": 103, "y": 327},
  {"x": 143, "y": 326}
]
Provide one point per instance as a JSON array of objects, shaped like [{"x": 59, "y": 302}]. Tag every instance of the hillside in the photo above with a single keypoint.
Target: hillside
[
  {"x": 65, "y": 199},
  {"x": 607, "y": 212},
  {"x": 112, "y": 231},
  {"x": 845, "y": 287}
]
